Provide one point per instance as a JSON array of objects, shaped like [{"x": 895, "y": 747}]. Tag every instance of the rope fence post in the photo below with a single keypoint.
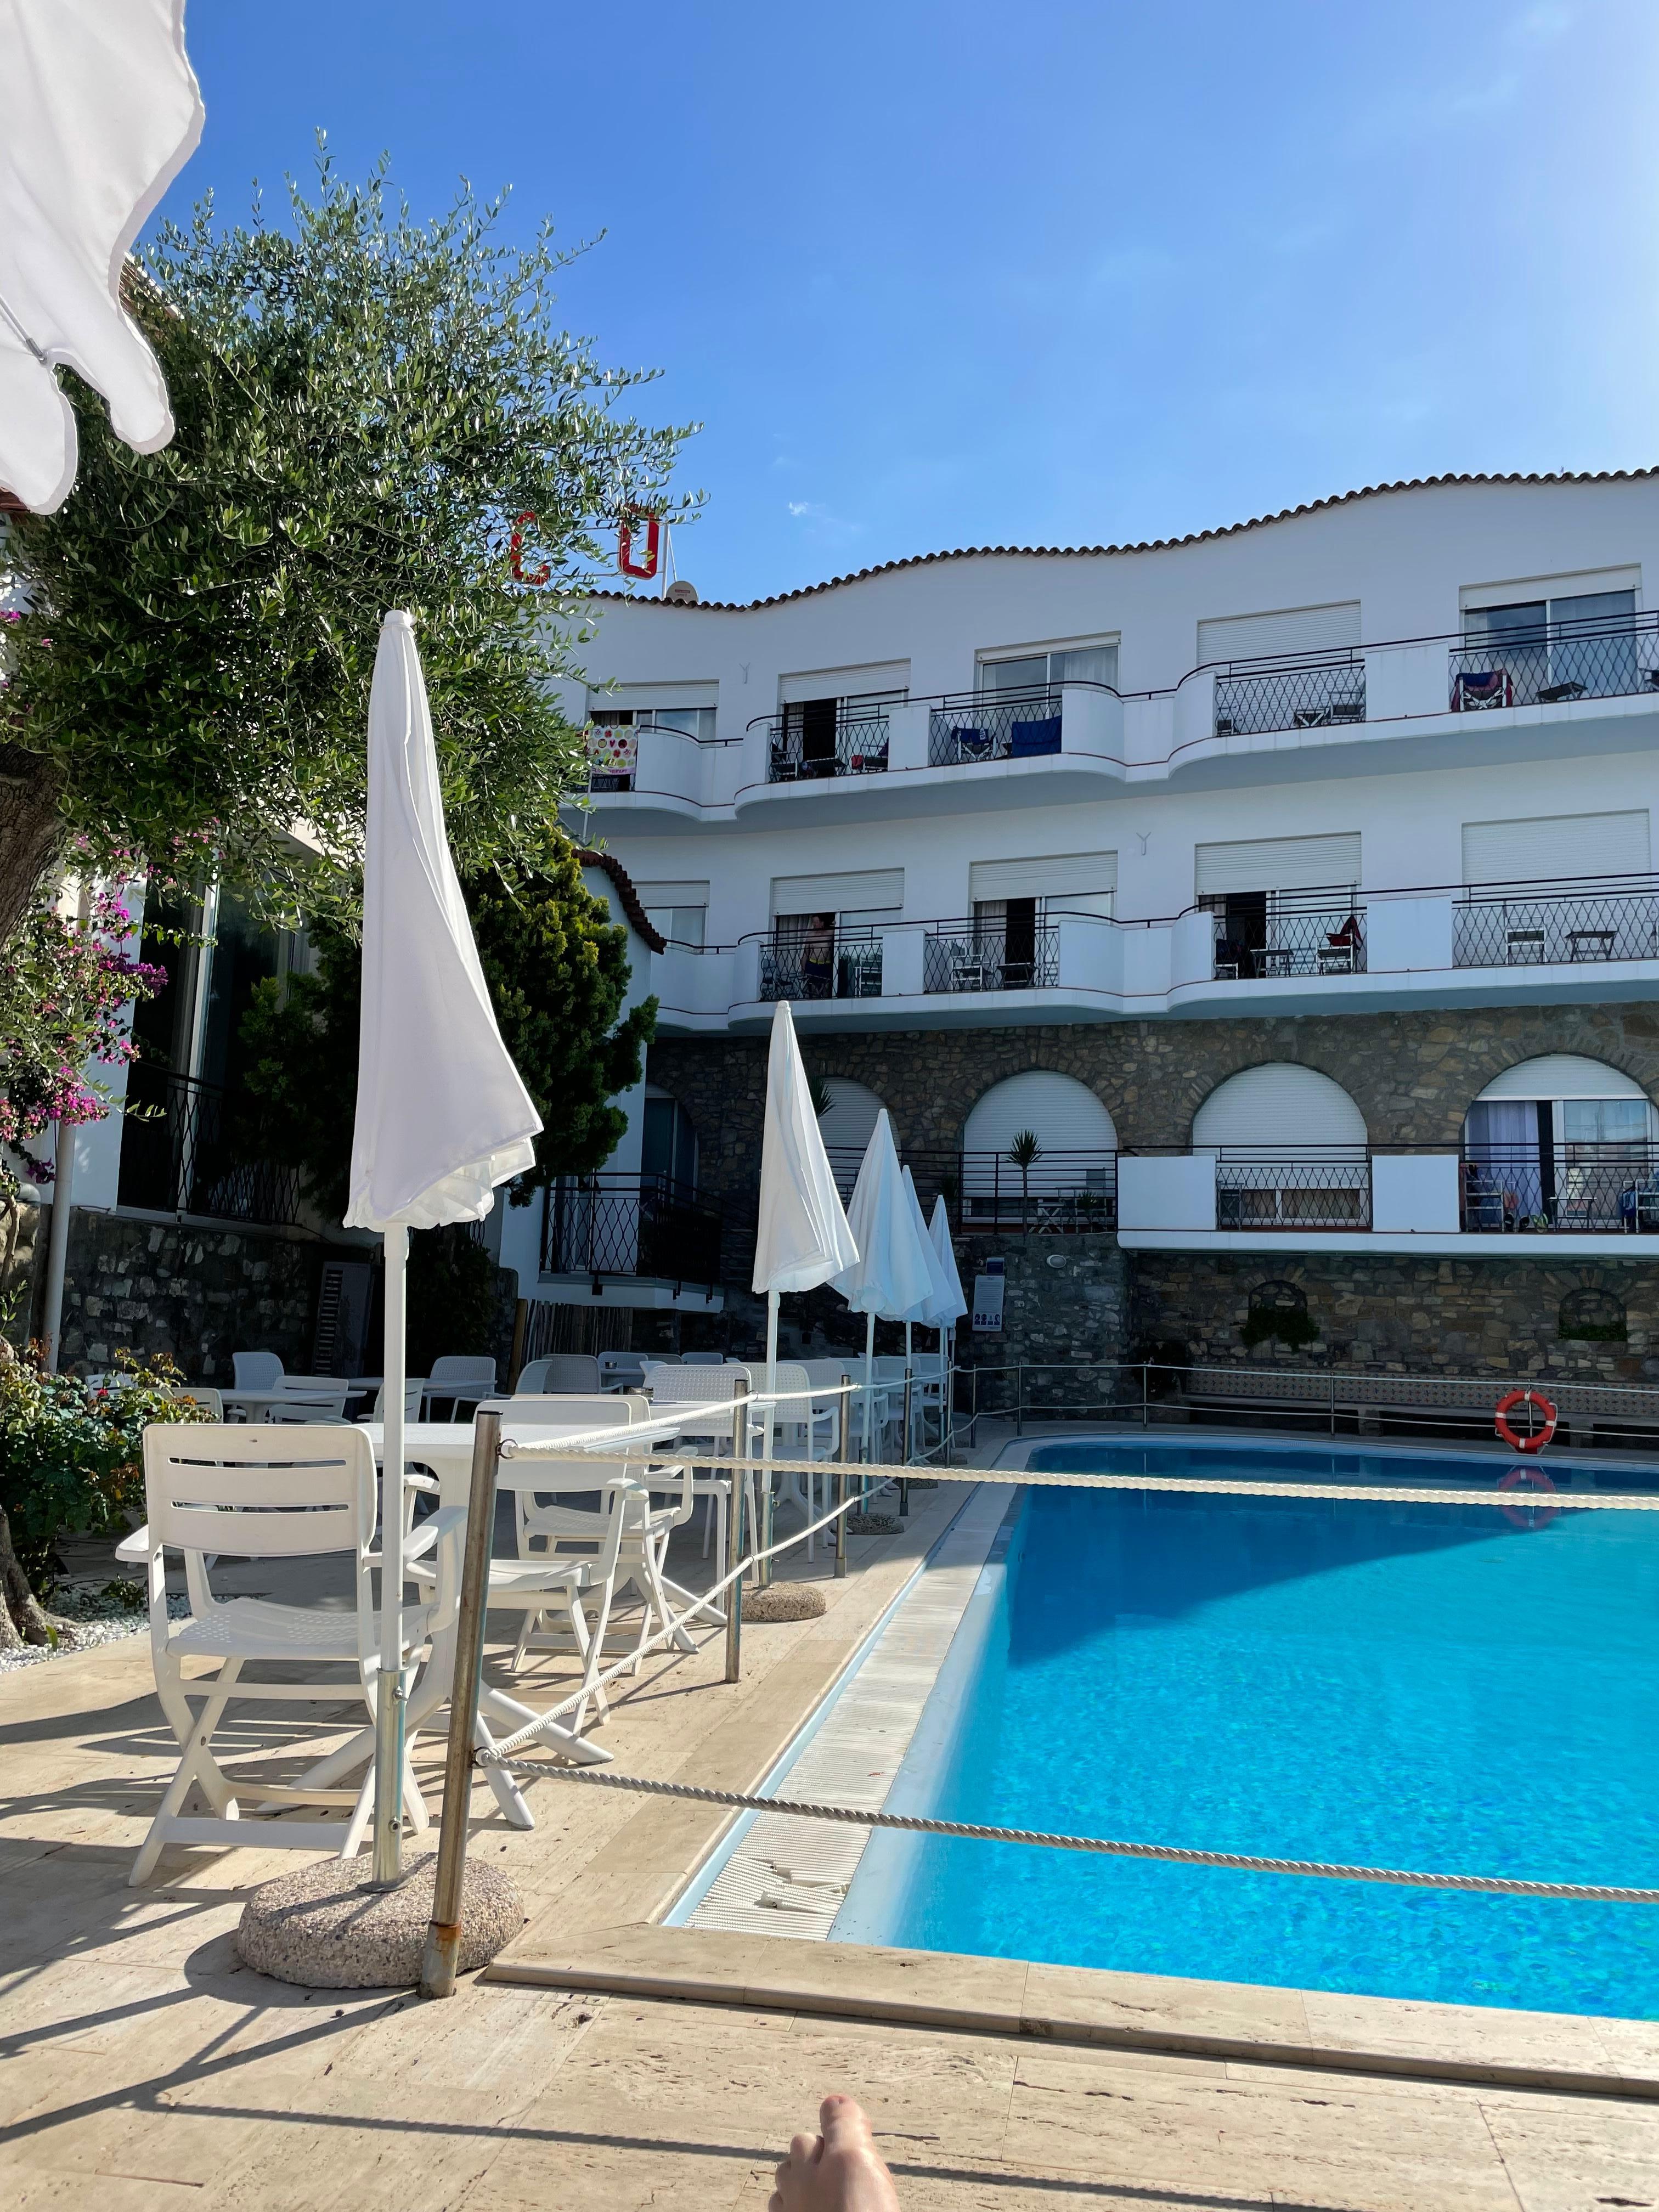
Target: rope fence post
[
  {"x": 840, "y": 1478},
  {"x": 1020, "y": 1398},
  {"x": 443, "y": 1935},
  {"x": 734, "y": 1544}
]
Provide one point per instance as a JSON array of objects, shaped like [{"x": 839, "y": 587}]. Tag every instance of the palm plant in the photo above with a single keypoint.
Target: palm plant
[{"x": 1024, "y": 1151}]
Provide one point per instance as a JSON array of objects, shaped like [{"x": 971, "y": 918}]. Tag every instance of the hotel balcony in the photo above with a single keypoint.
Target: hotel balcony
[
  {"x": 630, "y": 1230},
  {"x": 1409, "y": 704},
  {"x": 1588, "y": 940},
  {"x": 1511, "y": 1202}
]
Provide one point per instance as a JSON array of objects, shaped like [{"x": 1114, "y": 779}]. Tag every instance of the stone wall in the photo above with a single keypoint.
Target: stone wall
[
  {"x": 196, "y": 1294},
  {"x": 1414, "y": 1077}
]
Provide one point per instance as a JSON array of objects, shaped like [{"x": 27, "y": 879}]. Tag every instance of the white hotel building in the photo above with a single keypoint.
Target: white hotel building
[{"x": 1291, "y": 881}]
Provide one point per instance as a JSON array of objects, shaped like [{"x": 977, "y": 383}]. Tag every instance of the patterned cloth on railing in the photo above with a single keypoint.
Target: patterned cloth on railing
[{"x": 611, "y": 751}]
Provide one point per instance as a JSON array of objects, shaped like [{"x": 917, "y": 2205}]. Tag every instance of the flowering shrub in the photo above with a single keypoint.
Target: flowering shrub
[
  {"x": 67, "y": 979},
  {"x": 71, "y": 1451}
]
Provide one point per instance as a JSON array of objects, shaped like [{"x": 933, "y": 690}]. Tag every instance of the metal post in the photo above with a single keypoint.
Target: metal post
[
  {"x": 389, "y": 1691},
  {"x": 734, "y": 1544},
  {"x": 1145, "y": 1394},
  {"x": 52, "y": 1326},
  {"x": 1020, "y": 1398},
  {"x": 840, "y": 1478},
  {"x": 1333, "y": 1401},
  {"x": 443, "y": 1935}
]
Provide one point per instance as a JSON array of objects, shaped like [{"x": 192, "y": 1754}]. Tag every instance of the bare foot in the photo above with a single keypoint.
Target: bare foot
[{"x": 839, "y": 2171}]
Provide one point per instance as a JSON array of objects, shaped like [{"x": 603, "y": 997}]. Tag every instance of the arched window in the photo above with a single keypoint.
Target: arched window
[
  {"x": 1291, "y": 1151},
  {"x": 847, "y": 1128},
  {"x": 1561, "y": 1142},
  {"x": 1069, "y": 1180}
]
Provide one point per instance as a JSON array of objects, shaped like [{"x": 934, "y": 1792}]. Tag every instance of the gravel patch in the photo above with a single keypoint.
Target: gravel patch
[{"x": 97, "y": 1619}]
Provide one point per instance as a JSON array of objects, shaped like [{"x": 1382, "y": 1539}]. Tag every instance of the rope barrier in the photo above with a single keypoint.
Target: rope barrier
[{"x": 1240, "y": 1862}]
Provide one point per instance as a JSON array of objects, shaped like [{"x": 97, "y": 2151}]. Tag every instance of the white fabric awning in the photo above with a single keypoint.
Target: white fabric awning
[
  {"x": 442, "y": 1116},
  {"x": 102, "y": 112}
]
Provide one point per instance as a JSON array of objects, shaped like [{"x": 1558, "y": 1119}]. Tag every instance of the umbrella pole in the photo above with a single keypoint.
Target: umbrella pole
[
  {"x": 909, "y": 1355},
  {"x": 869, "y": 1389},
  {"x": 763, "y": 1571},
  {"x": 389, "y": 1687}
]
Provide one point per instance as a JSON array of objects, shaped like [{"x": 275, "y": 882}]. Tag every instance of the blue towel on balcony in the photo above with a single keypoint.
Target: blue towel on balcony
[{"x": 1026, "y": 740}]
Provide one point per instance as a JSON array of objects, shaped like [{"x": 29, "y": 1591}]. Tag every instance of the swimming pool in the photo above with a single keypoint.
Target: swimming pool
[{"x": 1377, "y": 1683}]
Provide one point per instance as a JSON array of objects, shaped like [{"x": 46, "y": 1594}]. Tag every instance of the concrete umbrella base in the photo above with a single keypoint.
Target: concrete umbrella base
[
  {"x": 784, "y": 1602},
  {"x": 326, "y": 1929}
]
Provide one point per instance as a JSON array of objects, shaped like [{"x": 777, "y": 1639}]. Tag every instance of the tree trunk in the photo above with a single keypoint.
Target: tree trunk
[
  {"x": 23, "y": 1618},
  {"x": 31, "y": 832}
]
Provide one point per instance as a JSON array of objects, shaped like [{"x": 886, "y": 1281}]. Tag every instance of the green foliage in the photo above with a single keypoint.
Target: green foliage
[
  {"x": 1291, "y": 1326},
  {"x": 452, "y": 1296},
  {"x": 1025, "y": 1150},
  {"x": 365, "y": 405},
  {"x": 71, "y": 1451},
  {"x": 557, "y": 971}
]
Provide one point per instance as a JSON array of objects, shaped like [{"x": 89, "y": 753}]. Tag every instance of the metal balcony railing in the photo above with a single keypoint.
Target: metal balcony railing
[
  {"x": 999, "y": 726},
  {"x": 178, "y": 1155},
  {"x": 631, "y": 1225},
  {"x": 1561, "y": 1189},
  {"x": 1325, "y": 939},
  {"x": 1320, "y": 696},
  {"x": 976, "y": 959},
  {"x": 798, "y": 753},
  {"x": 843, "y": 967},
  {"x": 1535, "y": 925},
  {"x": 1556, "y": 663},
  {"x": 1329, "y": 1189},
  {"x": 1062, "y": 1191}
]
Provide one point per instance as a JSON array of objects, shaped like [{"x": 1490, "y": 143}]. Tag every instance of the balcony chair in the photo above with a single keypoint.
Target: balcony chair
[
  {"x": 464, "y": 1378},
  {"x": 559, "y": 1371},
  {"x": 263, "y": 1493}
]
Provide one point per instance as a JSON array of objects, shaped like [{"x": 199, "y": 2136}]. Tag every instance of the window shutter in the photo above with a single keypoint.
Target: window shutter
[
  {"x": 850, "y": 1122},
  {"x": 1563, "y": 1075},
  {"x": 672, "y": 894},
  {"x": 844, "y": 682},
  {"x": 1297, "y": 630},
  {"x": 1556, "y": 845},
  {"x": 1058, "y": 876},
  {"x": 870, "y": 890},
  {"x": 1279, "y": 1106},
  {"x": 1279, "y": 864},
  {"x": 1066, "y": 1115}
]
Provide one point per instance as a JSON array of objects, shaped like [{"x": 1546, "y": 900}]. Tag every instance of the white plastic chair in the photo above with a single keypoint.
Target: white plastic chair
[
  {"x": 560, "y": 1370},
  {"x": 462, "y": 1377},
  {"x": 412, "y": 1390},
  {"x": 262, "y": 1492},
  {"x": 618, "y": 1369},
  {"x": 802, "y": 1428},
  {"x": 623, "y": 1512},
  {"x": 309, "y": 1398},
  {"x": 702, "y": 1359},
  {"x": 709, "y": 1387},
  {"x": 256, "y": 1371},
  {"x": 200, "y": 1394}
]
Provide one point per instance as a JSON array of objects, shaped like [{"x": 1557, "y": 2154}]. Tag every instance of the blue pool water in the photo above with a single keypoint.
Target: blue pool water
[{"x": 1414, "y": 1687}]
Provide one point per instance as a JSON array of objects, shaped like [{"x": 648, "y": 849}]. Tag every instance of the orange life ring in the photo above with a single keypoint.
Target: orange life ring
[
  {"x": 1507, "y": 1404},
  {"x": 1529, "y": 1516}
]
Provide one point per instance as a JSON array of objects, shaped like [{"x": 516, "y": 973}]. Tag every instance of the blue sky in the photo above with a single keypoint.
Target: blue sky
[{"x": 977, "y": 274}]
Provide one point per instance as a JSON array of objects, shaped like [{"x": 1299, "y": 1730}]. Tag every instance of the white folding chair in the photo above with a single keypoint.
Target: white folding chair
[
  {"x": 462, "y": 1377},
  {"x": 560, "y": 1370},
  {"x": 710, "y": 1388},
  {"x": 262, "y": 1492}
]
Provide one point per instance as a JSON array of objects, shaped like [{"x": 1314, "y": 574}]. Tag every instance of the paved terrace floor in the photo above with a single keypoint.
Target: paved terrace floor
[{"x": 142, "y": 2067}]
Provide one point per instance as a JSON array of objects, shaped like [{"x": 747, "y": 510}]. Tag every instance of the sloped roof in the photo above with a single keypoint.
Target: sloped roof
[
  {"x": 639, "y": 921},
  {"x": 1143, "y": 546}
]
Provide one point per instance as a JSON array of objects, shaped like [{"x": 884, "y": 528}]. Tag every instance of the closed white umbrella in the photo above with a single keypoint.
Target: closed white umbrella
[
  {"x": 892, "y": 1276},
  {"x": 442, "y": 1116},
  {"x": 934, "y": 1308},
  {"x": 939, "y": 1235},
  {"x": 802, "y": 1238},
  {"x": 101, "y": 113}
]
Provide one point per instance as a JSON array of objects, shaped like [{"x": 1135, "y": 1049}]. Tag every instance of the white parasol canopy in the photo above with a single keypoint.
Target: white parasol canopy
[
  {"x": 442, "y": 1116},
  {"x": 939, "y": 1308},
  {"x": 102, "y": 112},
  {"x": 939, "y": 1237},
  {"x": 803, "y": 1238},
  {"x": 892, "y": 1276}
]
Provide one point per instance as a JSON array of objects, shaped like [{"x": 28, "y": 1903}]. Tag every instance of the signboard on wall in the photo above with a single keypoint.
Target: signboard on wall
[{"x": 988, "y": 1300}]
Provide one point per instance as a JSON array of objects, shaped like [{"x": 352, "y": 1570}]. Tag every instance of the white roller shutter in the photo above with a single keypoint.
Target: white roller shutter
[
  {"x": 1563, "y": 1075},
  {"x": 1057, "y": 876},
  {"x": 1550, "y": 845},
  {"x": 845, "y": 683},
  {"x": 850, "y": 1122},
  {"x": 638, "y": 697},
  {"x": 1277, "y": 864},
  {"x": 1294, "y": 630},
  {"x": 865, "y": 891},
  {"x": 1279, "y": 1106},
  {"x": 672, "y": 894},
  {"x": 1066, "y": 1115}
]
